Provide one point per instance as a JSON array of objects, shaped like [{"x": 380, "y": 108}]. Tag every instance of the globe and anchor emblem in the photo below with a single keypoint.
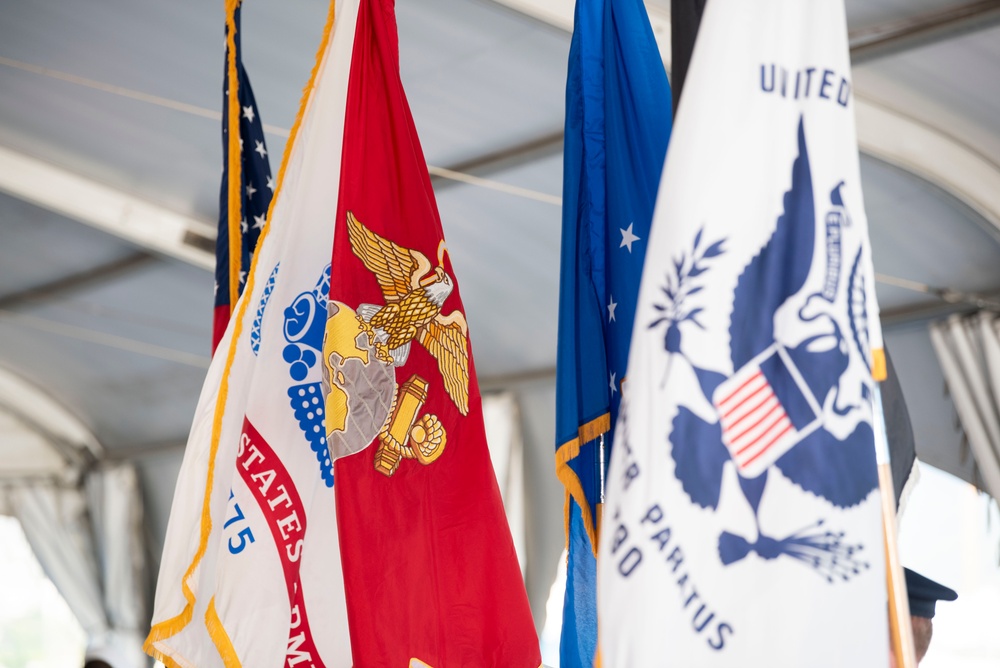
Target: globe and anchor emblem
[{"x": 364, "y": 403}]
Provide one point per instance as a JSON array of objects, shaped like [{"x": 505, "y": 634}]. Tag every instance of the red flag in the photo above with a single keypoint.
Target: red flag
[{"x": 429, "y": 565}]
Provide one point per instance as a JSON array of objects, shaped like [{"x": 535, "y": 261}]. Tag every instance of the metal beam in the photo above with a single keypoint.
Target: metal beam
[
  {"x": 75, "y": 282},
  {"x": 508, "y": 380},
  {"x": 145, "y": 224},
  {"x": 47, "y": 417},
  {"x": 948, "y": 302},
  {"x": 887, "y": 39},
  {"x": 559, "y": 14},
  {"x": 132, "y": 453},
  {"x": 512, "y": 156},
  {"x": 934, "y": 156},
  {"x": 877, "y": 41},
  {"x": 905, "y": 316},
  {"x": 28, "y": 320}
]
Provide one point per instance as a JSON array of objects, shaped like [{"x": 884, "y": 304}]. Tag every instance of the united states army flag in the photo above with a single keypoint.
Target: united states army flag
[
  {"x": 741, "y": 524},
  {"x": 250, "y": 573}
]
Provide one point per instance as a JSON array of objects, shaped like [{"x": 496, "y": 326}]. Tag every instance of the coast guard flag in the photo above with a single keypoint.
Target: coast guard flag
[
  {"x": 618, "y": 119},
  {"x": 246, "y": 184},
  {"x": 742, "y": 519},
  {"x": 431, "y": 573}
]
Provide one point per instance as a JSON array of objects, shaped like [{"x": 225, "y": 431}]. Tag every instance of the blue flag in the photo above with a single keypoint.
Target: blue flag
[
  {"x": 252, "y": 178},
  {"x": 618, "y": 120}
]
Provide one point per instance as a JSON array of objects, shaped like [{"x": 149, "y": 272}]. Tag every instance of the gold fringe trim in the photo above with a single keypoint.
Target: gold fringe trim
[
  {"x": 217, "y": 632},
  {"x": 879, "y": 370},
  {"x": 170, "y": 627},
  {"x": 160, "y": 656},
  {"x": 570, "y": 450},
  {"x": 174, "y": 625},
  {"x": 235, "y": 181},
  {"x": 594, "y": 428}
]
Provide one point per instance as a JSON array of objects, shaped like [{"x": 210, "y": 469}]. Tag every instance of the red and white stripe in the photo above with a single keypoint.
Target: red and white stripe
[{"x": 753, "y": 421}]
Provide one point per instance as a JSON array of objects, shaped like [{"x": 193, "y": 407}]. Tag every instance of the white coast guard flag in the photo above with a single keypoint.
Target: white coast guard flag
[
  {"x": 741, "y": 525},
  {"x": 251, "y": 570}
]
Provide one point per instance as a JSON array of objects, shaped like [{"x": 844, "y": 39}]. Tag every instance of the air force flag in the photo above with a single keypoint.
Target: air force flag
[{"x": 741, "y": 524}]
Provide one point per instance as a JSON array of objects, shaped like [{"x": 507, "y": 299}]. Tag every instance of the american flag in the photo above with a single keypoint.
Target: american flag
[{"x": 256, "y": 186}]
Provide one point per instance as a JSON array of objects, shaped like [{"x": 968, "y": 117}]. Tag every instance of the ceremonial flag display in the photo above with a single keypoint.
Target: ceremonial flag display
[
  {"x": 618, "y": 118},
  {"x": 742, "y": 522},
  {"x": 252, "y": 573},
  {"x": 247, "y": 185}
]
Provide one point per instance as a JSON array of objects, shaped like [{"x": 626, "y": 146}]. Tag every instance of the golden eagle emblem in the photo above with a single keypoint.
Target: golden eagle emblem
[{"x": 414, "y": 295}]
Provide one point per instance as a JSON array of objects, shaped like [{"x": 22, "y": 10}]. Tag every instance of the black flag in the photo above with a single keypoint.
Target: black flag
[
  {"x": 685, "y": 16},
  {"x": 899, "y": 430}
]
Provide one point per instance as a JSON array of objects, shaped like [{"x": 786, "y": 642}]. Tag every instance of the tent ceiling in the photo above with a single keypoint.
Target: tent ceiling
[
  {"x": 38, "y": 436},
  {"x": 949, "y": 85},
  {"x": 25, "y": 452},
  {"x": 127, "y": 95}
]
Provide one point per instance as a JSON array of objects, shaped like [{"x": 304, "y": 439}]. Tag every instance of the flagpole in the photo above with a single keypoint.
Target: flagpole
[
  {"x": 234, "y": 203},
  {"x": 900, "y": 628},
  {"x": 603, "y": 466}
]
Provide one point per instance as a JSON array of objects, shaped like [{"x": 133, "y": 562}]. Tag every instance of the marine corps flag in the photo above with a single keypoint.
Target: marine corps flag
[
  {"x": 430, "y": 569},
  {"x": 742, "y": 517}
]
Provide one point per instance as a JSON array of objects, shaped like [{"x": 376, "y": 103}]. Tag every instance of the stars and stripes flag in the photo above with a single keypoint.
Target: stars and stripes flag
[
  {"x": 618, "y": 119},
  {"x": 247, "y": 185},
  {"x": 742, "y": 521},
  {"x": 336, "y": 505}
]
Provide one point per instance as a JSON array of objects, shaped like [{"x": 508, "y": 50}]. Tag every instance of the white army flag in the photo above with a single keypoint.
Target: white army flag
[{"x": 251, "y": 571}]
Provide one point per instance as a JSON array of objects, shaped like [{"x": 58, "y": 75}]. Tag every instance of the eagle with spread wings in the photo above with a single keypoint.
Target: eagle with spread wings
[{"x": 414, "y": 295}]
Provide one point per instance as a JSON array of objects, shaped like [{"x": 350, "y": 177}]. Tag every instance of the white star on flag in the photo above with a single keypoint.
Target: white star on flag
[
  {"x": 258, "y": 222},
  {"x": 270, "y": 183},
  {"x": 250, "y": 190},
  {"x": 243, "y": 225},
  {"x": 248, "y": 113},
  {"x": 627, "y": 237},
  {"x": 243, "y": 277},
  {"x": 612, "y": 305},
  {"x": 263, "y": 151},
  {"x": 613, "y": 388}
]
